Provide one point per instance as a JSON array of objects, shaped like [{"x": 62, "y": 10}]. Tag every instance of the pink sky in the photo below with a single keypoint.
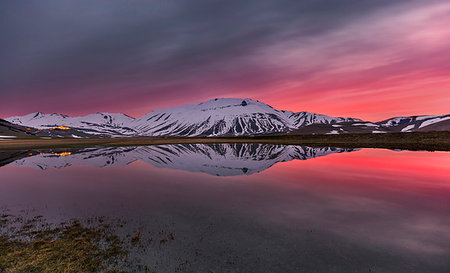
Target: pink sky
[{"x": 393, "y": 61}]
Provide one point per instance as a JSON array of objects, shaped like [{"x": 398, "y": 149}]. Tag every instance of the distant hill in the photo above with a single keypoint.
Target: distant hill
[{"x": 10, "y": 130}]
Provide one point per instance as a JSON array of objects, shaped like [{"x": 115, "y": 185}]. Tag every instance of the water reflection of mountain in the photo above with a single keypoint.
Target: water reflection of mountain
[{"x": 215, "y": 159}]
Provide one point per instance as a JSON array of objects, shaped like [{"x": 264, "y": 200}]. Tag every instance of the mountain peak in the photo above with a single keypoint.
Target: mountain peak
[
  {"x": 229, "y": 105},
  {"x": 224, "y": 117}
]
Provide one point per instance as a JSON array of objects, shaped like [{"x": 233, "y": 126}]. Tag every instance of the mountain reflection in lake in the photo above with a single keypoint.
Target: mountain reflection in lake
[
  {"x": 363, "y": 211},
  {"x": 215, "y": 159}
]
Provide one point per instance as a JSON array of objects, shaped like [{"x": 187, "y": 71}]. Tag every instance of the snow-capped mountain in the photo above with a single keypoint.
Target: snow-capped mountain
[
  {"x": 214, "y": 159},
  {"x": 417, "y": 123},
  {"x": 226, "y": 117},
  {"x": 397, "y": 124},
  {"x": 103, "y": 124},
  {"x": 218, "y": 117}
]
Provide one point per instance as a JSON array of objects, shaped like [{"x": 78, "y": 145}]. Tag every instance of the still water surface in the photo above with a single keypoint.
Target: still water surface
[{"x": 251, "y": 207}]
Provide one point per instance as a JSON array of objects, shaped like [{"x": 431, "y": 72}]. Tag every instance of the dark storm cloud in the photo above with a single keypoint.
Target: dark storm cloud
[{"x": 55, "y": 49}]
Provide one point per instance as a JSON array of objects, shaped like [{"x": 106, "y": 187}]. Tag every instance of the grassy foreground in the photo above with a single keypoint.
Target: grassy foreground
[
  {"x": 34, "y": 245},
  {"x": 435, "y": 141}
]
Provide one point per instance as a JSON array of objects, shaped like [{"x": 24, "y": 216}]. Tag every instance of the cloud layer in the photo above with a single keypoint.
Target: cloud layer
[{"x": 369, "y": 58}]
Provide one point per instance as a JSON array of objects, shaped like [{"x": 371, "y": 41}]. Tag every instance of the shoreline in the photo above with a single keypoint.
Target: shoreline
[{"x": 432, "y": 141}]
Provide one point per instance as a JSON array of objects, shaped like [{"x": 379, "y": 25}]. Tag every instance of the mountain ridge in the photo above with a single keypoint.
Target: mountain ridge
[{"x": 224, "y": 117}]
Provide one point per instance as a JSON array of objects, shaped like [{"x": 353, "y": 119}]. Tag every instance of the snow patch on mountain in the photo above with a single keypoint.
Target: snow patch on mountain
[
  {"x": 408, "y": 128},
  {"x": 396, "y": 121},
  {"x": 432, "y": 121}
]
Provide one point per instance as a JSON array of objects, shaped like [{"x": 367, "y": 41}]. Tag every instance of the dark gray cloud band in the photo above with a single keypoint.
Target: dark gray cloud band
[{"x": 116, "y": 50}]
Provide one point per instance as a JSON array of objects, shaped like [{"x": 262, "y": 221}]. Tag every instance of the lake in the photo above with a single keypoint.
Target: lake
[{"x": 247, "y": 207}]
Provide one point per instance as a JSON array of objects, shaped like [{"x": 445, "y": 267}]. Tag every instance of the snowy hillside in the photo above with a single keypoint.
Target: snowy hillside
[
  {"x": 397, "y": 124},
  {"x": 96, "y": 124},
  {"x": 417, "y": 123},
  {"x": 9, "y": 130},
  {"x": 226, "y": 117}
]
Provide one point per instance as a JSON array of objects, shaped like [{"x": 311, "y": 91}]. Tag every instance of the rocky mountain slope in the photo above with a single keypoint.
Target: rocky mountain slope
[
  {"x": 10, "y": 130},
  {"x": 397, "y": 124},
  {"x": 225, "y": 117}
]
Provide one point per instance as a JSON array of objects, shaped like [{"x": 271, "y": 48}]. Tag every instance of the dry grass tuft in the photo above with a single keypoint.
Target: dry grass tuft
[{"x": 35, "y": 246}]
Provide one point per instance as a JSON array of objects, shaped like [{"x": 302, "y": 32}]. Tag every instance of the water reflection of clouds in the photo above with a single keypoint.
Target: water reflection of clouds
[{"x": 393, "y": 214}]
